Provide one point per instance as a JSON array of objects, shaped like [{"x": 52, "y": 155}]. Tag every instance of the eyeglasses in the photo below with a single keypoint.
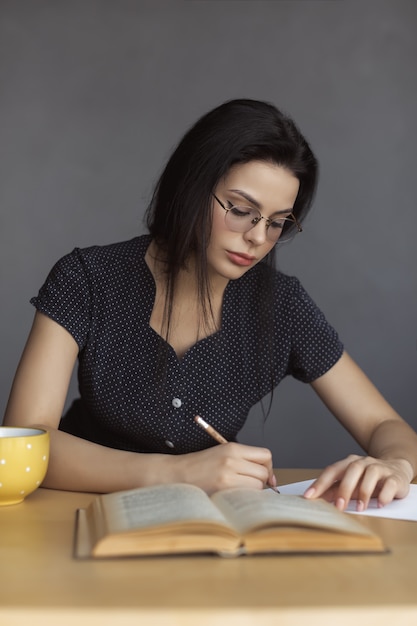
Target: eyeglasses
[{"x": 241, "y": 219}]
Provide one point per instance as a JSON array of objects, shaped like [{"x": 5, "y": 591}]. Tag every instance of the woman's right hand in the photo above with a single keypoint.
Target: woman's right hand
[{"x": 224, "y": 466}]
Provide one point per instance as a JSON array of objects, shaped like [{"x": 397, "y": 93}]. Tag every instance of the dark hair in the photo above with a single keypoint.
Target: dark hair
[{"x": 179, "y": 216}]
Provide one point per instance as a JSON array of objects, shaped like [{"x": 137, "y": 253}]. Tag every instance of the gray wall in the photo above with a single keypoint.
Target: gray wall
[{"x": 94, "y": 95}]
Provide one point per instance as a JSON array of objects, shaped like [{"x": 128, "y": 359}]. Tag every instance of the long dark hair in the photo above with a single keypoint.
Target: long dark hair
[{"x": 179, "y": 216}]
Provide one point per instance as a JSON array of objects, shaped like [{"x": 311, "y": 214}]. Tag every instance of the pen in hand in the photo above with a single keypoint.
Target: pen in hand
[
  {"x": 217, "y": 436},
  {"x": 210, "y": 430}
]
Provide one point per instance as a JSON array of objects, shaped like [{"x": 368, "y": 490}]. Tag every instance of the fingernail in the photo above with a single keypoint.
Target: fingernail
[
  {"x": 340, "y": 504},
  {"x": 310, "y": 492},
  {"x": 360, "y": 506}
]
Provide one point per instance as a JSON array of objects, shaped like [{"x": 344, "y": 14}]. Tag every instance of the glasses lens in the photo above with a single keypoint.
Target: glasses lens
[
  {"x": 282, "y": 230},
  {"x": 242, "y": 218}
]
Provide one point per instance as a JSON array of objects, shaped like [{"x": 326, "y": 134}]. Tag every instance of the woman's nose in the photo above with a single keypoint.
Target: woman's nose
[{"x": 257, "y": 234}]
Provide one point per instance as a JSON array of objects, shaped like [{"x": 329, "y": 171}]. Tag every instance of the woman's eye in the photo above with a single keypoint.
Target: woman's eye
[
  {"x": 240, "y": 211},
  {"x": 277, "y": 224}
]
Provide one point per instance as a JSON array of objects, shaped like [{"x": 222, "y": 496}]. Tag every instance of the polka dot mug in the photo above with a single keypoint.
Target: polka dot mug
[{"x": 24, "y": 456}]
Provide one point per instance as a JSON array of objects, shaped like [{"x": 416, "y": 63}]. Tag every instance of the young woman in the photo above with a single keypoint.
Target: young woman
[{"x": 193, "y": 319}]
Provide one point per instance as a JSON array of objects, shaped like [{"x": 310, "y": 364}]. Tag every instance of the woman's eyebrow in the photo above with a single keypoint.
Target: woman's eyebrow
[{"x": 249, "y": 198}]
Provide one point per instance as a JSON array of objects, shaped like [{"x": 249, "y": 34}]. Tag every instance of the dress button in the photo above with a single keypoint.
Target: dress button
[
  {"x": 176, "y": 403},
  {"x": 169, "y": 444}
]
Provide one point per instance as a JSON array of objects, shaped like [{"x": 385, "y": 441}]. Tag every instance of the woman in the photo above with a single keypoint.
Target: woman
[{"x": 193, "y": 319}]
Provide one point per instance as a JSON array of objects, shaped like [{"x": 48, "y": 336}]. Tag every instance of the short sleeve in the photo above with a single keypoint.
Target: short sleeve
[
  {"x": 65, "y": 296},
  {"x": 315, "y": 345}
]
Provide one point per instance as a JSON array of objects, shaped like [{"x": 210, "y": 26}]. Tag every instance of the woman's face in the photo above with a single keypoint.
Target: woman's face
[{"x": 271, "y": 189}]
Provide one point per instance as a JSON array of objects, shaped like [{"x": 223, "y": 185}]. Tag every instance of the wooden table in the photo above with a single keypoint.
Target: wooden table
[{"x": 40, "y": 582}]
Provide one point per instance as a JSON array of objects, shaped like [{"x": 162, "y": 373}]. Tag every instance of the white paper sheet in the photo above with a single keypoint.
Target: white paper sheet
[{"x": 404, "y": 509}]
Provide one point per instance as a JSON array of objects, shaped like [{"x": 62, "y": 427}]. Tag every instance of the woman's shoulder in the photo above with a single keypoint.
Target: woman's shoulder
[
  {"x": 132, "y": 249},
  {"x": 97, "y": 258},
  {"x": 97, "y": 262}
]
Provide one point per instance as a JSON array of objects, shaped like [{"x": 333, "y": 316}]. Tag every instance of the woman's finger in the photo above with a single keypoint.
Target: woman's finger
[
  {"x": 360, "y": 478},
  {"x": 329, "y": 477}
]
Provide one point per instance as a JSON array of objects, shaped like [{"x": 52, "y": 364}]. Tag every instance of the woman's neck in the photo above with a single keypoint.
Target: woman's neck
[
  {"x": 186, "y": 319},
  {"x": 187, "y": 280}
]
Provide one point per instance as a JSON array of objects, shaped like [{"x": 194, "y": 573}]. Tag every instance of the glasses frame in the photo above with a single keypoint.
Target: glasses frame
[{"x": 268, "y": 221}]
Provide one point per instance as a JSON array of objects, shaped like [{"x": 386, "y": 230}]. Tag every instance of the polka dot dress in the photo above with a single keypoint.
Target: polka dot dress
[{"x": 104, "y": 297}]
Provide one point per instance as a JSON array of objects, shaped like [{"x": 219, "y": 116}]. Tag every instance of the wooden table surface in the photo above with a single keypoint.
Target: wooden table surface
[{"x": 41, "y": 583}]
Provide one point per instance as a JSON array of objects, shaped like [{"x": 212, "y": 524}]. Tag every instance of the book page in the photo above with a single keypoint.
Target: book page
[
  {"x": 249, "y": 509},
  {"x": 154, "y": 506}
]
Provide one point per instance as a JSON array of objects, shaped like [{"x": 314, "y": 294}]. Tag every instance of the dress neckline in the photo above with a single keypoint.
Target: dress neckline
[{"x": 199, "y": 342}]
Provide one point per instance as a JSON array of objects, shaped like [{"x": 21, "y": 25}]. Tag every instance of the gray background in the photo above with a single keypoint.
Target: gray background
[{"x": 95, "y": 94}]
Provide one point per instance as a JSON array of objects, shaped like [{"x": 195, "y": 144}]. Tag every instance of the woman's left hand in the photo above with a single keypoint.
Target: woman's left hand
[{"x": 362, "y": 478}]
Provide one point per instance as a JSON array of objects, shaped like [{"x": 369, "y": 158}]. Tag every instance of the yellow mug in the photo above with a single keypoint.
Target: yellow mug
[{"x": 24, "y": 457}]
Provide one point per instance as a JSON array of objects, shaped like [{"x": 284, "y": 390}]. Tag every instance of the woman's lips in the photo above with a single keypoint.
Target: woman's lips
[{"x": 241, "y": 259}]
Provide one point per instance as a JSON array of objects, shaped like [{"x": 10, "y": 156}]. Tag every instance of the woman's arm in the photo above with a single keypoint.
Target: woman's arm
[
  {"x": 37, "y": 400},
  {"x": 386, "y": 437}
]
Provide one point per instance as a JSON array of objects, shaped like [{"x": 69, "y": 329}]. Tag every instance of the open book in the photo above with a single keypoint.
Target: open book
[{"x": 181, "y": 519}]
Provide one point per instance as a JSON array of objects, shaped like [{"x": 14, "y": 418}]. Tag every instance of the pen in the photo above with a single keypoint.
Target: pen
[
  {"x": 210, "y": 430},
  {"x": 217, "y": 436}
]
